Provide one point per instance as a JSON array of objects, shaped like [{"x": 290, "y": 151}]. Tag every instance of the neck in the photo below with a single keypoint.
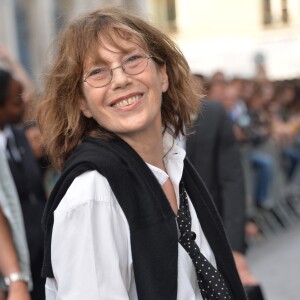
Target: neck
[{"x": 149, "y": 146}]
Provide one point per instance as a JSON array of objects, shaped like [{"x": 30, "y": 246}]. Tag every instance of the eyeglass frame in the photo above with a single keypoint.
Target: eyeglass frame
[{"x": 147, "y": 56}]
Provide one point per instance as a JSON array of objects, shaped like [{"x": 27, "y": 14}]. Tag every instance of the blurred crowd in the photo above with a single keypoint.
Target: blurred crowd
[{"x": 266, "y": 121}]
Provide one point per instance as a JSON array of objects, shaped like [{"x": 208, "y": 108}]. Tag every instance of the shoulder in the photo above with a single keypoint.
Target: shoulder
[
  {"x": 211, "y": 112},
  {"x": 21, "y": 140},
  {"x": 209, "y": 120},
  {"x": 212, "y": 106},
  {"x": 18, "y": 131},
  {"x": 86, "y": 188}
]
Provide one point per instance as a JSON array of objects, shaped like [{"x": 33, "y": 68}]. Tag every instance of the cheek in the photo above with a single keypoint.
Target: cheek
[
  {"x": 94, "y": 96},
  {"x": 92, "y": 102}
]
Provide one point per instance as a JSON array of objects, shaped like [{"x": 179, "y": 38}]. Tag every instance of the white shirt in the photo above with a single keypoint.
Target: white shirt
[
  {"x": 90, "y": 249},
  {"x": 2, "y": 140}
]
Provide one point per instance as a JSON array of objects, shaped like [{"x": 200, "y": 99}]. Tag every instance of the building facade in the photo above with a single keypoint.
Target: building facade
[
  {"x": 232, "y": 35},
  {"x": 228, "y": 35}
]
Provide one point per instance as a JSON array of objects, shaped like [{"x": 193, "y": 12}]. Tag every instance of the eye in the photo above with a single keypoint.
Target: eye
[
  {"x": 134, "y": 58},
  {"x": 98, "y": 72}
]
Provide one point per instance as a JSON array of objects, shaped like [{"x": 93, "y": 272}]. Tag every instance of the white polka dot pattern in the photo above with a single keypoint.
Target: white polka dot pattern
[{"x": 211, "y": 283}]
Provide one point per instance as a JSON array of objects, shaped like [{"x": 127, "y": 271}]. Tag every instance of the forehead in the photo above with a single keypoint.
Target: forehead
[{"x": 113, "y": 43}]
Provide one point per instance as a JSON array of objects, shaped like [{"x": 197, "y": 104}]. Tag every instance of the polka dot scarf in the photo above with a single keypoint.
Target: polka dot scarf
[{"x": 211, "y": 283}]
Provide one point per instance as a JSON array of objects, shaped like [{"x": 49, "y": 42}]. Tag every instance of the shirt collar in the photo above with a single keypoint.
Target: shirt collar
[{"x": 173, "y": 158}]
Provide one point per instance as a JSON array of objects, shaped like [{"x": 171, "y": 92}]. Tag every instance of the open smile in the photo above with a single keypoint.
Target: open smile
[{"x": 127, "y": 101}]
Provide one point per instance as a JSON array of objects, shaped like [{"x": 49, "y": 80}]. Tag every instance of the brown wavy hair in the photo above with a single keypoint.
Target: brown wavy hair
[{"x": 59, "y": 117}]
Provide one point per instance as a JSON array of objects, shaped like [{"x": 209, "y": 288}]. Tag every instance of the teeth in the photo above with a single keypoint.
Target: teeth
[{"x": 127, "y": 101}]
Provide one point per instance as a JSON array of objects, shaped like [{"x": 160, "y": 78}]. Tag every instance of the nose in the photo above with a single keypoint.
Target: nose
[{"x": 119, "y": 77}]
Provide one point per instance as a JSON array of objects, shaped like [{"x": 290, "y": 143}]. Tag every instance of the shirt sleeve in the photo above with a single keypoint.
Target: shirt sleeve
[{"x": 91, "y": 254}]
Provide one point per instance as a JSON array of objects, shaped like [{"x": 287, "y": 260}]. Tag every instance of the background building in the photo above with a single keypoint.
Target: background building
[
  {"x": 231, "y": 35},
  {"x": 228, "y": 35}
]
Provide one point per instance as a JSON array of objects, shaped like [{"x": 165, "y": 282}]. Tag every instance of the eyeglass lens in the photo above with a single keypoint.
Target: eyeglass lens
[{"x": 99, "y": 76}]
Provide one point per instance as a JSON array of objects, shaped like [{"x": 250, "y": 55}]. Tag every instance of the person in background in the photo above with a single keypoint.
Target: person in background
[
  {"x": 25, "y": 172},
  {"x": 129, "y": 218},
  {"x": 9, "y": 265},
  {"x": 286, "y": 126},
  {"x": 49, "y": 174},
  {"x": 213, "y": 150},
  {"x": 14, "y": 256},
  {"x": 15, "y": 276},
  {"x": 17, "y": 70}
]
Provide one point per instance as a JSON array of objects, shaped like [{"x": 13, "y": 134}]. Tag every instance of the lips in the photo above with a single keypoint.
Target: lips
[{"x": 120, "y": 103}]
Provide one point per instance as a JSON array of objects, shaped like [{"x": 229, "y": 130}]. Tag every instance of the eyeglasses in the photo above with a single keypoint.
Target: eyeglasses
[{"x": 99, "y": 77}]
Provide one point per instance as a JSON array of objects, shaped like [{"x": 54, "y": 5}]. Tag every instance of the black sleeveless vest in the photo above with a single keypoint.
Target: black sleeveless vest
[{"x": 152, "y": 224}]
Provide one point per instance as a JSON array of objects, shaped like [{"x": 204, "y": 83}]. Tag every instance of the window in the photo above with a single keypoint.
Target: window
[
  {"x": 171, "y": 15},
  {"x": 165, "y": 12},
  {"x": 267, "y": 12},
  {"x": 284, "y": 16},
  {"x": 275, "y": 12}
]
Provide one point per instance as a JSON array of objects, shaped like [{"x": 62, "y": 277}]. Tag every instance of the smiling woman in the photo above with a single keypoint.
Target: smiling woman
[
  {"x": 77, "y": 56},
  {"x": 117, "y": 96},
  {"x": 129, "y": 103}
]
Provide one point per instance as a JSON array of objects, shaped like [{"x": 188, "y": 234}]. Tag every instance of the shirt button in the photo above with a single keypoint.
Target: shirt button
[{"x": 193, "y": 235}]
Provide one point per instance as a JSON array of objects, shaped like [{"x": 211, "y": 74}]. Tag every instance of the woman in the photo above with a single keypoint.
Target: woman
[{"x": 117, "y": 96}]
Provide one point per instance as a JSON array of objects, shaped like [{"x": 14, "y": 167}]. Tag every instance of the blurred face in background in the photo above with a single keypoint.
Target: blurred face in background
[
  {"x": 287, "y": 95},
  {"x": 13, "y": 109},
  {"x": 267, "y": 93},
  {"x": 248, "y": 89},
  {"x": 34, "y": 137},
  {"x": 216, "y": 91},
  {"x": 230, "y": 97}
]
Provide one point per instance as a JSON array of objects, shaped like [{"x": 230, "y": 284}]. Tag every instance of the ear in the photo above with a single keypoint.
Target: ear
[
  {"x": 164, "y": 78},
  {"x": 84, "y": 108}
]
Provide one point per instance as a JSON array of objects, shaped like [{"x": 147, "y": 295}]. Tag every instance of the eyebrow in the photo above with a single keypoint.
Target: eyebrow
[{"x": 98, "y": 60}]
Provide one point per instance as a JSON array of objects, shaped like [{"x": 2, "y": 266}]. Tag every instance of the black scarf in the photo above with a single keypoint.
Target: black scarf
[{"x": 153, "y": 229}]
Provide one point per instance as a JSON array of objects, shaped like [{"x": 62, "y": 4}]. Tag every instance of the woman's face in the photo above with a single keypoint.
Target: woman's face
[{"x": 129, "y": 104}]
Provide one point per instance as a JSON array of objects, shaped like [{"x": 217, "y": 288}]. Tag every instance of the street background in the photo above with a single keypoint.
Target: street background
[{"x": 276, "y": 262}]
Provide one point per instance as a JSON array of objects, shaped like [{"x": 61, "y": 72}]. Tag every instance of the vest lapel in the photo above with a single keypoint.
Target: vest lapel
[{"x": 153, "y": 229}]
